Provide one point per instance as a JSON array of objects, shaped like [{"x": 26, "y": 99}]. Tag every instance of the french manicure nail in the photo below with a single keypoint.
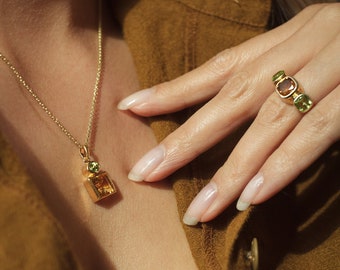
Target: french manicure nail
[
  {"x": 147, "y": 164},
  {"x": 135, "y": 99},
  {"x": 200, "y": 204},
  {"x": 249, "y": 192}
]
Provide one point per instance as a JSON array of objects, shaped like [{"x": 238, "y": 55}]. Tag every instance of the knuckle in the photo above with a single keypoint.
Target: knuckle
[
  {"x": 317, "y": 121},
  {"x": 323, "y": 122},
  {"x": 273, "y": 113},
  {"x": 222, "y": 62},
  {"x": 238, "y": 88},
  {"x": 179, "y": 146}
]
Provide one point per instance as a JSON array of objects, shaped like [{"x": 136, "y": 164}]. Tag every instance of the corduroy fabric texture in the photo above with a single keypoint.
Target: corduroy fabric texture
[{"x": 297, "y": 229}]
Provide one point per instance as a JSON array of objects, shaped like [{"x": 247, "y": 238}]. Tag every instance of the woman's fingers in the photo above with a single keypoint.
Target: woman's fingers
[
  {"x": 293, "y": 156},
  {"x": 274, "y": 149},
  {"x": 312, "y": 136},
  {"x": 204, "y": 82},
  {"x": 239, "y": 99},
  {"x": 316, "y": 132}
]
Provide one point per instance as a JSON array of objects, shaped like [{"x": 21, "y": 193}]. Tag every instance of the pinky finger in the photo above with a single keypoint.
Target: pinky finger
[{"x": 317, "y": 130}]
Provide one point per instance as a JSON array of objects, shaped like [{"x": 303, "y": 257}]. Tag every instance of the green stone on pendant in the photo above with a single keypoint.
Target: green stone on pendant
[
  {"x": 303, "y": 103},
  {"x": 278, "y": 75},
  {"x": 93, "y": 167}
]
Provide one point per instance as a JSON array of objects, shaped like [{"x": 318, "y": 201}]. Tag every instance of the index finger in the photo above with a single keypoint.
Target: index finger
[{"x": 204, "y": 82}]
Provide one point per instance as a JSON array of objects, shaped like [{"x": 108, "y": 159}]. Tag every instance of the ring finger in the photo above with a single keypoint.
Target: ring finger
[
  {"x": 239, "y": 99},
  {"x": 274, "y": 122}
]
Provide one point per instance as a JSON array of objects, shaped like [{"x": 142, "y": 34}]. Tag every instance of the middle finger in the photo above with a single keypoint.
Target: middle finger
[
  {"x": 239, "y": 100},
  {"x": 275, "y": 120}
]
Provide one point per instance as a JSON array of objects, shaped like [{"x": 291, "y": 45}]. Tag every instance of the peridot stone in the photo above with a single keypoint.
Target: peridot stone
[
  {"x": 303, "y": 103},
  {"x": 278, "y": 75},
  {"x": 93, "y": 166}
]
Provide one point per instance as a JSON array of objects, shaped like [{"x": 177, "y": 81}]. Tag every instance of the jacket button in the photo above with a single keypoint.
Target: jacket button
[{"x": 253, "y": 255}]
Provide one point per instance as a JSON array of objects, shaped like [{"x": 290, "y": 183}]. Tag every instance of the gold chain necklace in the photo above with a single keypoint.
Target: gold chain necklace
[{"x": 98, "y": 184}]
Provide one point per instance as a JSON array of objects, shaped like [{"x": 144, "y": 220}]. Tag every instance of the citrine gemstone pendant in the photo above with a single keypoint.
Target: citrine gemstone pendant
[
  {"x": 99, "y": 186},
  {"x": 98, "y": 183}
]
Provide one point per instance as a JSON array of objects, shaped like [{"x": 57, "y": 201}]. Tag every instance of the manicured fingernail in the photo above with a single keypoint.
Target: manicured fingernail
[
  {"x": 147, "y": 164},
  {"x": 200, "y": 204},
  {"x": 135, "y": 99},
  {"x": 249, "y": 192}
]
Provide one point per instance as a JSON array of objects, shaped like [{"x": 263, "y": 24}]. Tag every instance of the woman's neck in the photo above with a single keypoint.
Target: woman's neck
[
  {"x": 46, "y": 39},
  {"x": 30, "y": 22}
]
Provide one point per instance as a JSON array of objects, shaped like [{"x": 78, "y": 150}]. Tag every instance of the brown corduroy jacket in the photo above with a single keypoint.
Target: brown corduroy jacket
[{"x": 297, "y": 229}]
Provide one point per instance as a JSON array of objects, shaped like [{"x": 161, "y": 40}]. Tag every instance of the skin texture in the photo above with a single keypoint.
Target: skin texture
[
  {"x": 281, "y": 142},
  {"x": 54, "y": 46}
]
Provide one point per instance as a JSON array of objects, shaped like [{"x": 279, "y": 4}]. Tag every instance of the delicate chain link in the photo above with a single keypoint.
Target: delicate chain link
[
  {"x": 98, "y": 78},
  {"x": 94, "y": 97}
]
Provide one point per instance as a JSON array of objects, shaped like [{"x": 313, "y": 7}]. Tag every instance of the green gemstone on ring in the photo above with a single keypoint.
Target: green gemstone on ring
[
  {"x": 303, "y": 103},
  {"x": 278, "y": 75},
  {"x": 93, "y": 166}
]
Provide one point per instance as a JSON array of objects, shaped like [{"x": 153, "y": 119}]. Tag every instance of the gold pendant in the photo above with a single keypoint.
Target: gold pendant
[{"x": 98, "y": 184}]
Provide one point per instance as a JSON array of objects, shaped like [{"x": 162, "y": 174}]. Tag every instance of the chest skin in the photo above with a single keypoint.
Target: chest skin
[{"x": 138, "y": 228}]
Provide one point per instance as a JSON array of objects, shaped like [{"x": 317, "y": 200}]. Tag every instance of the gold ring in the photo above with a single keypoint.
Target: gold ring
[{"x": 289, "y": 90}]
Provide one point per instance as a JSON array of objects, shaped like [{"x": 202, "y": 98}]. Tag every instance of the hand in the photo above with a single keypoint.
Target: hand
[{"x": 281, "y": 142}]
